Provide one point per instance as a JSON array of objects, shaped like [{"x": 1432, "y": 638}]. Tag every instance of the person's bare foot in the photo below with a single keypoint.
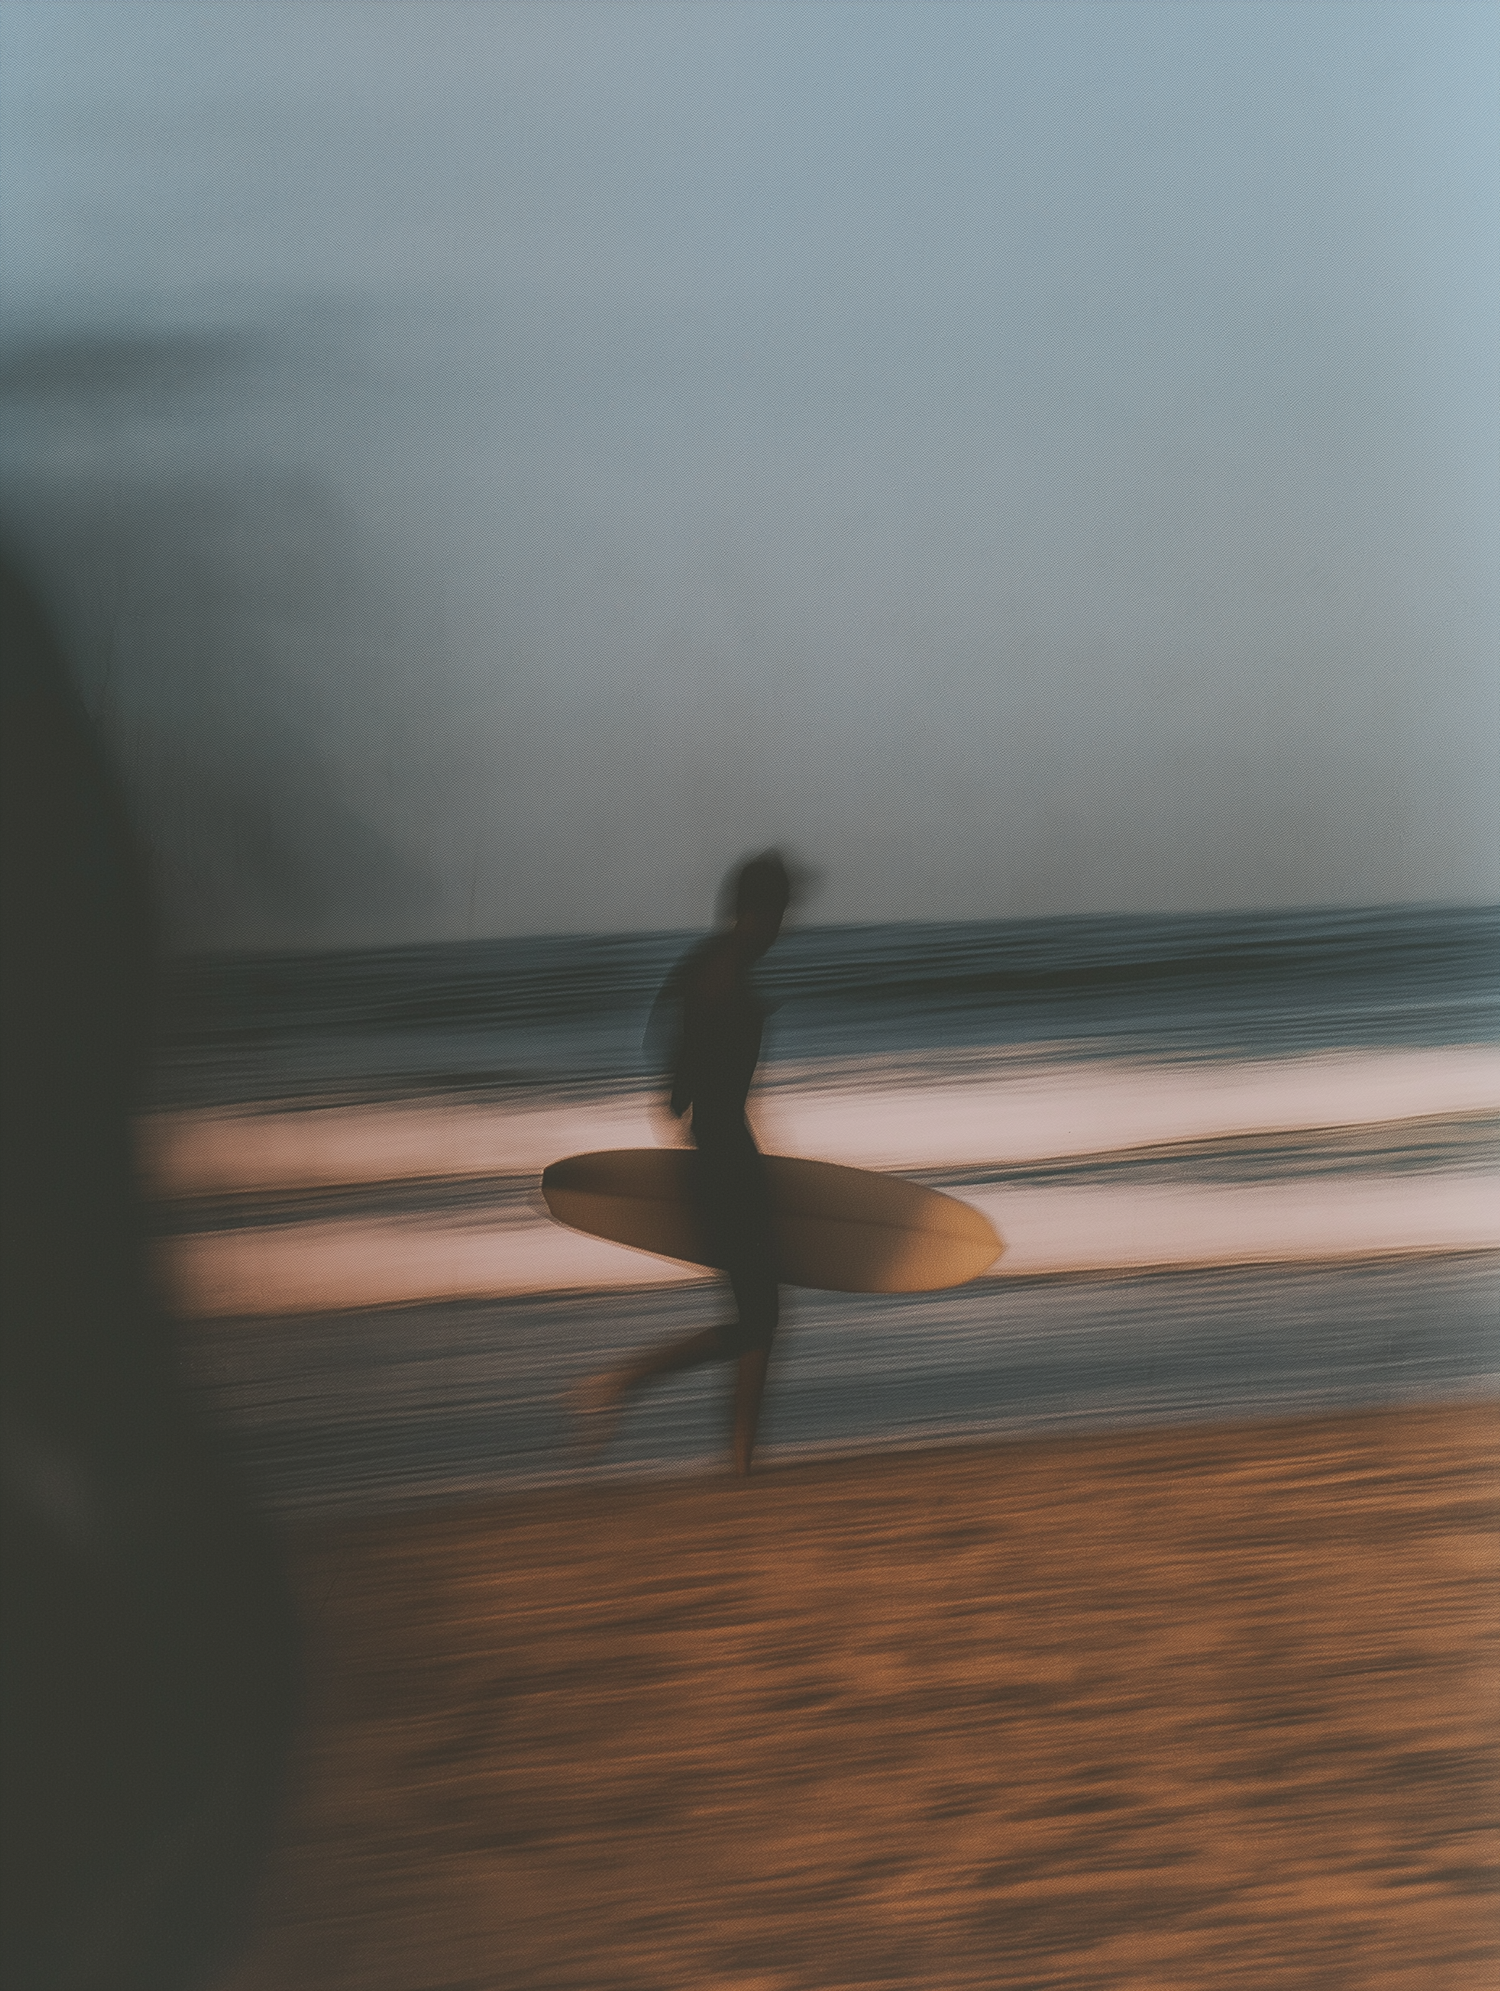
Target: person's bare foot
[{"x": 594, "y": 1405}]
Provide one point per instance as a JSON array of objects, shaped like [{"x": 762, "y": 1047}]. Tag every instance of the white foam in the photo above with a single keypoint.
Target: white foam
[
  {"x": 248, "y": 1150},
  {"x": 321, "y": 1267},
  {"x": 1015, "y": 1112},
  {"x": 1057, "y": 1111},
  {"x": 1099, "y": 1229},
  {"x": 314, "y": 1267}
]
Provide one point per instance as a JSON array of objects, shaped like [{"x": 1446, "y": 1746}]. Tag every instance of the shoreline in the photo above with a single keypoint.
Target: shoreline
[{"x": 1194, "y": 1705}]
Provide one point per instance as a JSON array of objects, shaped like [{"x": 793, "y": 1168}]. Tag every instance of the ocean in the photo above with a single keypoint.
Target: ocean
[{"x": 1243, "y": 1164}]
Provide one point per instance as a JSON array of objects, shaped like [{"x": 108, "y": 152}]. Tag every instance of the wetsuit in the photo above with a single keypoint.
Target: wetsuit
[{"x": 717, "y": 1049}]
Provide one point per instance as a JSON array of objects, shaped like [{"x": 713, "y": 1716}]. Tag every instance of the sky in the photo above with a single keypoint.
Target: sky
[{"x": 494, "y": 465}]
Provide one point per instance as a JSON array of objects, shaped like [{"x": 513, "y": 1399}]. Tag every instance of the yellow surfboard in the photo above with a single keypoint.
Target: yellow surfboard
[{"x": 844, "y": 1230}]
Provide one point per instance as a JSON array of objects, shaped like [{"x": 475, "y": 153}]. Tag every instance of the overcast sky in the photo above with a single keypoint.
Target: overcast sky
[{"x": 493, "y": 465}]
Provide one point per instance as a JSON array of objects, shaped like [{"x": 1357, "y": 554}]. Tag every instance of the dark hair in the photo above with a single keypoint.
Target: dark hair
[{"x": 760, "y": 884}]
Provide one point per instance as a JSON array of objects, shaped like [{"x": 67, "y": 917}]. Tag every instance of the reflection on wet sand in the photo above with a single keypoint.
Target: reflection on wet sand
[{"x": 1198, "y": 1707}]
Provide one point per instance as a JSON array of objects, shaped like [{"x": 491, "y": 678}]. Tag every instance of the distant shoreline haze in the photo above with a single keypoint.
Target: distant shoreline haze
[{"x": 492, "y": 467}]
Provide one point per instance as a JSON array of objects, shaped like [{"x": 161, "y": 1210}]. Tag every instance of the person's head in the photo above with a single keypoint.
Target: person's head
[{"x": 759, "y": 892}]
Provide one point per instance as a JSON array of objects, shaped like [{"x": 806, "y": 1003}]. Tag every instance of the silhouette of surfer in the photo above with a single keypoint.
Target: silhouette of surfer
[{"x": 718, "y": 1019}]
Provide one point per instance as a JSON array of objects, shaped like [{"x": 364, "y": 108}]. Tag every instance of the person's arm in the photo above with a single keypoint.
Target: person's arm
[
  {"x": 704, "y": 987},
  {"x": 682, "y": 1069},
  {"x": 668, "y": 1038}
]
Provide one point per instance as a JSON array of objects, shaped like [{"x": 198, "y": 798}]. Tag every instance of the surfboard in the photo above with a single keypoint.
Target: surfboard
[{"x": 843, "y": 1230}]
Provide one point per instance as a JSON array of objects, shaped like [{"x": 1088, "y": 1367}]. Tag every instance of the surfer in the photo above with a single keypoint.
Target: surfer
[{"x": 718, "y": 1020}]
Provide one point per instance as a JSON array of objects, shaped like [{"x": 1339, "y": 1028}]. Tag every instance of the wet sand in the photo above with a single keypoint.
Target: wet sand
[{"x": 1197, "y": 1708}]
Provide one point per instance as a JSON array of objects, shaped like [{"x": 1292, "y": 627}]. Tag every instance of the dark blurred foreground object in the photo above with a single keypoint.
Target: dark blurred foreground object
[{"x": 148, "y": 1640}]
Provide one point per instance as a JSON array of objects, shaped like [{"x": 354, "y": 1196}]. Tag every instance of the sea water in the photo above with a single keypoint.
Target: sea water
[{"x": 1242, "y": 1164}]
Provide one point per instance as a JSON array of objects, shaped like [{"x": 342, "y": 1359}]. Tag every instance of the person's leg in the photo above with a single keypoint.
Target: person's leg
[
  {"x": 734, "y": 1207},
  {"x": 598, "y": 1400},
  {"x": 758, "y": 1306},
  {"x": 749, "y": 1387},
  {"x": 738, "y": 1208},
  {"x": 666, "y": 1360}
]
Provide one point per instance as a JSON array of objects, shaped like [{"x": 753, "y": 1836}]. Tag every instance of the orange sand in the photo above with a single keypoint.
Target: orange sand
[{"x": 1197, "y": 1708}]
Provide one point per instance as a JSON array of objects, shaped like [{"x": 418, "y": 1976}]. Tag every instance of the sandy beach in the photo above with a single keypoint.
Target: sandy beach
[{"x": 1190, "y": 1708}]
